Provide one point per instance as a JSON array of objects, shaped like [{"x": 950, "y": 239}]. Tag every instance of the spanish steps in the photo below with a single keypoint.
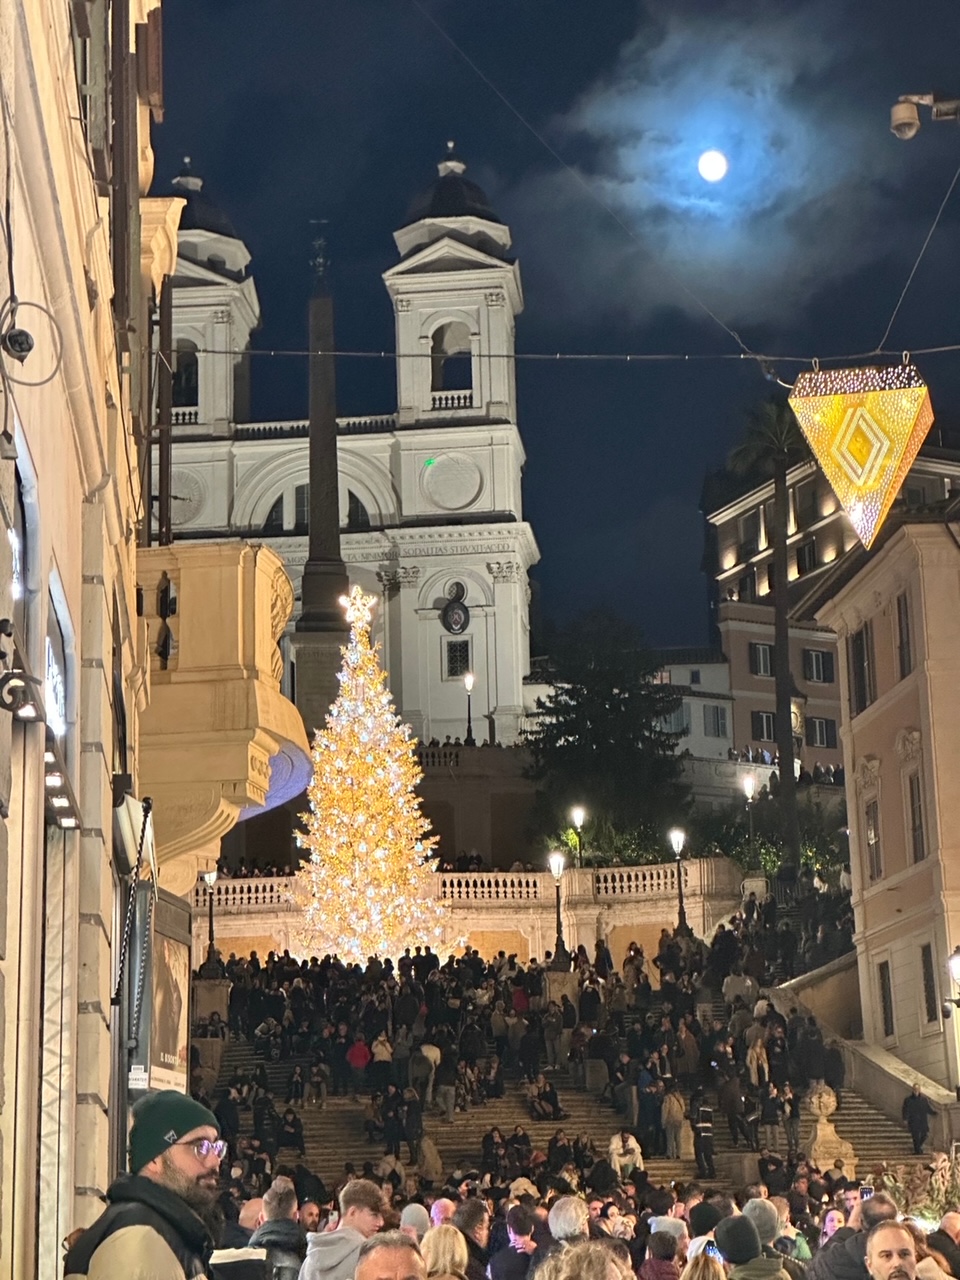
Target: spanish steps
[{"x": 335, "y": 1134}]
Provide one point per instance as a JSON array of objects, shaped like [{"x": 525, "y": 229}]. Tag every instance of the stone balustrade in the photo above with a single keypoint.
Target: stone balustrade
[{"x": 510, "y": 910}]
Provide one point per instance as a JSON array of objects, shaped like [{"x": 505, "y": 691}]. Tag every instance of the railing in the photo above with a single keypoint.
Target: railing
[
  {"x": 439, "y": 757},
  {"x": 639, "y": 882},
  {"x": 369, "y": 425},
  {"x": 494, "y": 886},
  {"x": 234, "y": 897},
  {"x": 272, "y": 430},
  {"x": 185, "y": 417},
  {"x": 711, "y": 876},
  {"x": 452, "y": 400}
]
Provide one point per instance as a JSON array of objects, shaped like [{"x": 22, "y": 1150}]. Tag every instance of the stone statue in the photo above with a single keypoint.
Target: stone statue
[{"x": 826, "y": 1145}]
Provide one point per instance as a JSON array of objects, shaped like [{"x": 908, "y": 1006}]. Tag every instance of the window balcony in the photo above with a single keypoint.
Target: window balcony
[{"x": 218, "y": 741}]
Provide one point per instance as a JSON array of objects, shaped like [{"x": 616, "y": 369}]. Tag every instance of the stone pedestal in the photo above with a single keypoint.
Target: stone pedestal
[
  {"x": 561, "y": 984},
  {"x": 826, "y": 1146},
  {"x": 211, "y": 995}
]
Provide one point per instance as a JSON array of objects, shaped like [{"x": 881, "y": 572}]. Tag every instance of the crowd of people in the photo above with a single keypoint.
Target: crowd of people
[
  {"x": 175, "y": 1217},
  {"x": 822, "y": 775},
  {"x": 699, "y": 1046}
]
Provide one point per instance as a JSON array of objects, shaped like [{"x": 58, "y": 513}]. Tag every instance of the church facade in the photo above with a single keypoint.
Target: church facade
[{"x": 431, "y": 508}]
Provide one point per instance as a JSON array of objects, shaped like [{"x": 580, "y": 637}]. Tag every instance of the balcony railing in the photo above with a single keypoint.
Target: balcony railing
[
  {"x": 452, "y": 400},
  {"x": 494, "y": 886},
  {"x": 185, "y": 417},
  {"x": 236, "y": 897},
  {"x": 639, "y": 882},
  {"x": 273, "y": 893}
]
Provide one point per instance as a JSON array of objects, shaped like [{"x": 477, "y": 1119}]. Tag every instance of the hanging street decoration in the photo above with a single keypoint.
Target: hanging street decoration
[{"x": 865, "y": 427}]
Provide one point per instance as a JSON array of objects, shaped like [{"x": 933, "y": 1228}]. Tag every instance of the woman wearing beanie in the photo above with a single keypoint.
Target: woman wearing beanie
[{"x": 156, "y": 1220}]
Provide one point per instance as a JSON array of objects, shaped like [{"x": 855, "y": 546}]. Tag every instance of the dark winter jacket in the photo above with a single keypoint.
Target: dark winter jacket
[
  {"x": 145, "y": 1229},
  {"x": 939, "y": 1242},
  {"x": 286, "y": 1244},
  {"x": 840, "y": 1261}
]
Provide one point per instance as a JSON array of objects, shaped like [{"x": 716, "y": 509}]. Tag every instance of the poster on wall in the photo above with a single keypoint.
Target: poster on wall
[
  {"x": 169, "y": 1027},
  {"x": 159, "y": 993}
]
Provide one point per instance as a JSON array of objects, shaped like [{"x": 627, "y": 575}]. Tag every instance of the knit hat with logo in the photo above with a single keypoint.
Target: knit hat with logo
[{"x": 160, "y": 1120}]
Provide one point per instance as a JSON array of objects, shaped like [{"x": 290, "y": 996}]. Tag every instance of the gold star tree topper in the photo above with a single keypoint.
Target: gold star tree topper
[
  {"x": 865, "y": 427},
  {"x": 367, "y": 887}
]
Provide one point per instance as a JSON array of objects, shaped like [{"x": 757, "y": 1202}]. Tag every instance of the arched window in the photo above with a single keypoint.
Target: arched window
[
  {"x": 186, "y": 384},
  {"x": 450, "y": 353},
  {"x": 273, "y": 525},
  {"x": 358, "y": 518},
  {"x": 301, "y": 508}
]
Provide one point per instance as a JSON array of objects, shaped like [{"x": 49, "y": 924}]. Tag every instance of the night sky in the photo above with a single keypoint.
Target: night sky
[{"x": 340, "y": 109}]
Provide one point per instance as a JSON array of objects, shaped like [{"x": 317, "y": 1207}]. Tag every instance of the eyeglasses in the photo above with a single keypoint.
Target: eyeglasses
[{"x": 204, "y": 1148}]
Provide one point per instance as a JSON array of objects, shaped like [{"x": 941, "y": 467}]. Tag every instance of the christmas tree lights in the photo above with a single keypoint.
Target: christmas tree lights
[{"x": 367, "y": 887}]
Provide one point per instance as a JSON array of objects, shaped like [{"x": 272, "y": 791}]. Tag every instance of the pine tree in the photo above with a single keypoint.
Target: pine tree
[{"x": 367, "y": 887}]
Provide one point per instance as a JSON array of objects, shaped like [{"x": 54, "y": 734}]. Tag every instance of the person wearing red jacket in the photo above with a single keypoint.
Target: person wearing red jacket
[{"x": 358, "y": 1056}]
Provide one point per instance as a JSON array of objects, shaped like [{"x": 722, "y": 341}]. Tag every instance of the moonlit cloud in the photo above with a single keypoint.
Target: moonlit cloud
[{"x": 786, "y": 95}]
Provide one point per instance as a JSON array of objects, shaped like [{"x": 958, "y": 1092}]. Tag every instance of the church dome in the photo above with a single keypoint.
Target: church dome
[
  {"x": 200, "y": 213},
  {"x": 451, "y": 195}
]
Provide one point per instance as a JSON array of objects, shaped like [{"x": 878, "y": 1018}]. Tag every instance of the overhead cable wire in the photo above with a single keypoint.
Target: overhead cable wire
[
  {"x": 913, "y": 271},
  {"x": 575, "y": 173},
  {"x": 598, "y": 357}
]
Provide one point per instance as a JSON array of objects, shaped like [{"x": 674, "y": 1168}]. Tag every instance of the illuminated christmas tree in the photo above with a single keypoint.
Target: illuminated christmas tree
[{"x": 367, "y": 887}]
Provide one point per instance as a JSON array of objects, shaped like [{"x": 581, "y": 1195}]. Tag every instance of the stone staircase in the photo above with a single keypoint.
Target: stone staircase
[{"x": 335, "y": 1134}]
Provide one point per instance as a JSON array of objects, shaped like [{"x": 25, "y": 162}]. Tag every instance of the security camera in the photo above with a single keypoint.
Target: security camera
[
  {"x": 905, "y": 120},
  {"x": 17, "y": 343}
]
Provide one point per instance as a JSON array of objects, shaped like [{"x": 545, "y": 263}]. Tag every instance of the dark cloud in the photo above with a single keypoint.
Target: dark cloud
[
  {"x": 815, "y": 187},
  {"x": 313, "y": 108}
]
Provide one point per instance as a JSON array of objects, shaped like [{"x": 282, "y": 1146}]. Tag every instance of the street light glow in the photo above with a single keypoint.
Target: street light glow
[
  {"x": 209, "y": 878},
  {"x": 469, "y": 680},
  {"x": 953, "y": 964},
  {"x": 749, "y": 786},
  {"x": 557, "y": 863},
  {"x": 678, "y": 839},
  {"x": 577, "y": 815}
]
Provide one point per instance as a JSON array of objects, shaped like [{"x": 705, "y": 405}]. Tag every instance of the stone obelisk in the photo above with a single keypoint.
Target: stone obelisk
[{"x": 321, "y": 628}]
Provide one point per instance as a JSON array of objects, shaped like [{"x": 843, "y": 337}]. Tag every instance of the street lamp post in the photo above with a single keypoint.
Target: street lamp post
[
  {"x": 468, "y": 682},
  {"x": 750, "y": 790},
  {"x": 212, "y": 962},
  {"x": 578, "y": 815},
  {"x": 951, "y": 1002},
  {"x": 678, "y": 839},
  {"x": 561, "y": 956}
]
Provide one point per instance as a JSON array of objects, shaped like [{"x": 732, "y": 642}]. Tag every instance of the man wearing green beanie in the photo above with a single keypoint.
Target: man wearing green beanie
[{"x": 156, "y": 1222}]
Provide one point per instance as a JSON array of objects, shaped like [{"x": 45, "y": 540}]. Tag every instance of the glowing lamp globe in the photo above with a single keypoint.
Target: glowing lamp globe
[
  {"x": 712, "y": 166},
  {"x": 865, "y": 427}
]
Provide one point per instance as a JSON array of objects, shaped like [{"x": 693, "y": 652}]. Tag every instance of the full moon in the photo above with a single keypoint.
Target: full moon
[{"x": 712, "y": 166}]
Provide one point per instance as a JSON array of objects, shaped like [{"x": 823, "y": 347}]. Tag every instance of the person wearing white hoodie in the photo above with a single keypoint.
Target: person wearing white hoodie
[{"x": 332, "y": 1255}]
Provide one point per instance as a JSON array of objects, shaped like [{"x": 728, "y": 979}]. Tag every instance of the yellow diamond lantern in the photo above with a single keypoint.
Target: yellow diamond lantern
[{"x": 865, "y": 427}]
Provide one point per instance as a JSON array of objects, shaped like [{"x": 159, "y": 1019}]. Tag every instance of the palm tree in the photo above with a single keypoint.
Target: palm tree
[{"x": 773, "y": 443}]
